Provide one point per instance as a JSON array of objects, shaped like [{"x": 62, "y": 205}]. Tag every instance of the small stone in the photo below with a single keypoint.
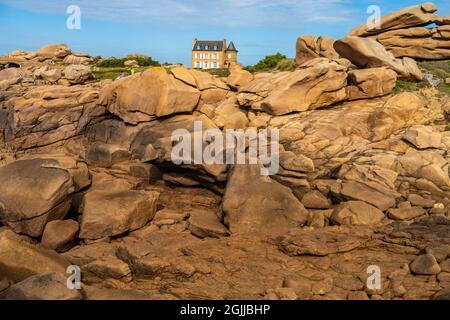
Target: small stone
[
  {"x": 423, "y": 137},
  {"x": 425, "y": 264},
  {"x": 315, "y": 200},
  {"x": 205, "y": 224},
  {"x": 419, "y": 201},
  {"x": 316, "y": 219},
  {"x": 399, "y": 291},
  {"x": 406, "y": 214}
]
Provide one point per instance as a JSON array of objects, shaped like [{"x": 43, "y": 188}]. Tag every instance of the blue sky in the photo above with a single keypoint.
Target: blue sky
[{"x": 165, "y": 29}]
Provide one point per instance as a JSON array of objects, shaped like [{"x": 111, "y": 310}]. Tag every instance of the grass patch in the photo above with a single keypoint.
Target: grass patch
[
  {"x": 113, "y": 73},
  {"x": 439, "y": 70}
]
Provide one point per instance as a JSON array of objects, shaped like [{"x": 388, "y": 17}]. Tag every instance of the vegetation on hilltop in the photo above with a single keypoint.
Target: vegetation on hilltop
[
  {"x": 143, "y": 61},
  {"x": 275, "y": 62}
]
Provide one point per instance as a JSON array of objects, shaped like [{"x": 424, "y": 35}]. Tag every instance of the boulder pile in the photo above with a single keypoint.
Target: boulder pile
[{"x": 88, "y": 177}]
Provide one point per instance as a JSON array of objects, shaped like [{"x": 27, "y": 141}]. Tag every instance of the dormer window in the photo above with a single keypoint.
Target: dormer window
[
  {"x": 198, "y": 47},
  {"x": 215, "y": 48},
  {"x": 206, "y": 47}
]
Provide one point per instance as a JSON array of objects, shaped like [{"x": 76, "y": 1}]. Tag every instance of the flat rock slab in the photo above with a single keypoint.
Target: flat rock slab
[
  {"x": 47, "y": 286},
  {"x": 206, "y": 224},
  {"x": 107, "y": 213},
  {"x": 321, "y": 242}
]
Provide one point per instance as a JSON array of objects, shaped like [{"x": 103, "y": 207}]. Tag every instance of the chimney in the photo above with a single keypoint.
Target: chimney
[{"x": 224, "y": 44}]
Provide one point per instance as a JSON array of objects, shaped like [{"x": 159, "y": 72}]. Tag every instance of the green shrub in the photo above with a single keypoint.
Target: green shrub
[
  {"x": 269, "y": 63},
  {"x": 118, "y": 63}
]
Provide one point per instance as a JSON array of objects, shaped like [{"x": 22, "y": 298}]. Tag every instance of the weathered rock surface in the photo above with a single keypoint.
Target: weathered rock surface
[
  {"x": 310, "y": 47},
  {"x": 254, "y": 203},
  {"x": 36, "y": 191},
  {"x": 46, "y": 286},
  {"x": 356, "y": 213},
  {"x": 143, "y": 97},
  {"x": 112, "y": 213},
  {"x": 422, "y": 14},
  {"x": 77, "y": 73},
  {"x": 20, "y": 259},
  {"x": 60, "y": 235},
  {"x": 368, "y": 53},
  {"x": 318, "y": 83},
  {"x": 371, "y": 83}
]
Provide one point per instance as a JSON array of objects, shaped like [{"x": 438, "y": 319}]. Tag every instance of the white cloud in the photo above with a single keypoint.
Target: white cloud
[{"x": 199, "y": 12}]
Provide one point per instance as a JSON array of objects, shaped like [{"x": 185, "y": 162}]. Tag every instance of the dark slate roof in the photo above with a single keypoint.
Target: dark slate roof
[
  {"x": 208, "y": 46},
  {"x": 231, "y": 47}
]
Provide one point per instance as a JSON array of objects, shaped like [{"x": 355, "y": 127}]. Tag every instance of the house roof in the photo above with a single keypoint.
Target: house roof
[
  {"x": 201, "y": 45},
  {"x": 231, "y": 47}
]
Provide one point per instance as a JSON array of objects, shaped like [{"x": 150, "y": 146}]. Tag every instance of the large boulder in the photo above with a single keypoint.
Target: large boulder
[
  {"x": 311, "y": 47},
  {"x": 77, "y": 73},
  {"x": 418, "y": 43},
  {"x": 368, "y": 53},
  {"x": 20, "y": 259},
  {"x": 370, "y": 83},
  {"x": 54, "y": 51},
  {"x": 238, "y": 76},
  {"x": 48, "y": 115},
  {"x": 413, "y": 16},
  {"x": 146, "y": 96},
  {"x": 46, "y": 286},
  {"x": 9, "y": 76},
  {"x": 60, "y": 235},
  {"x": 318, "y": 83},
  {"x": 36, "y": 191},
  {"x": 253, "y": 203},
  {"x": 108, "y": 213},
  {"x": 356, "y": 213},
  {"x": 48, "y": 74}
]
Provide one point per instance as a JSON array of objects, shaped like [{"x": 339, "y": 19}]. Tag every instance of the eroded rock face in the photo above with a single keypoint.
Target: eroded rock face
[
  {"x": 422, "y": 14},
  {"x": 368, "y": 53},
  {"x": 310, "y": 47},
  {"x": 143, "y": 97},
  {"x": 48, "y": 115},
  {"x": 371, "y": 83},
  {"x": 418, "y": 42},
  {"x": 253, "y": 203},
  {"x": 318, "y": 83},
  {"x": 37, "y": 191}
]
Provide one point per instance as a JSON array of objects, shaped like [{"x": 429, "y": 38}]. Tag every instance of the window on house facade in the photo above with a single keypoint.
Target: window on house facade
[
  {"x": 206, "y": 65},
  {"x": 216, "y": 56},
  {"x": 229, "y": 56},
  {"x": 198, "y": 65},
  {"x": 216, "y": 65},
  {"x": 206, "y": 55}
]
